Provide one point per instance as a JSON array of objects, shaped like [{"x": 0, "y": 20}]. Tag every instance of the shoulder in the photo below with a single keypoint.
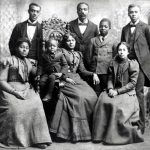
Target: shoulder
[
  {"x": 20, "y": 24},
  {"x": 126, "y": 26},
  {"x": 133, "y": 64},
  {"x": 73, "y": 21},
  {"x": 93, "y": 24},
  {"x": 64, "y": 51}
]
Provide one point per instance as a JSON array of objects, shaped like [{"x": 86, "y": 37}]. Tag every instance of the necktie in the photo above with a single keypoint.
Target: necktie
[{"x": 132, "y": 25}]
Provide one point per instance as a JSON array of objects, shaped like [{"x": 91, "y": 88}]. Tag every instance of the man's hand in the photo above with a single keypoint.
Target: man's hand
[{"x": 95, "y": 79}]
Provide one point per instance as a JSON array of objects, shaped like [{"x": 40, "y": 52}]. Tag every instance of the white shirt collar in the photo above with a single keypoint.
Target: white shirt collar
[
  {"x": 32, "y": 22},
  {"x": 85, "y": 21}
]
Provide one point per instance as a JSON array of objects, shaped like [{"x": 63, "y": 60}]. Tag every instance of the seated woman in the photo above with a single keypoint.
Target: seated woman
[
  {"x": 72, "y": 116},
  {"x": 22, "y": 119},
  {"x": 116, "y": 114}
]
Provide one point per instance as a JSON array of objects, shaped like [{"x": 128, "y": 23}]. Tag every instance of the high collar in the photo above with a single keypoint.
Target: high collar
[{"x": 131, "y": 23}]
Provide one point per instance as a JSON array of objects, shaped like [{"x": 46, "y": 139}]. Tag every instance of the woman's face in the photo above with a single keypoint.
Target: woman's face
[
  {"x": 23, "y": 49},
  {"x": 123, "y": 51},
  {"x": 71, "y": 42}
]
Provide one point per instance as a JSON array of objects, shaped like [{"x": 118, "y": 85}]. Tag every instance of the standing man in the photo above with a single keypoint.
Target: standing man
[
  {"x": 83, "y": 28},
  {"x": 30, "y": 29},
  {"x": 137, "y": 35}
]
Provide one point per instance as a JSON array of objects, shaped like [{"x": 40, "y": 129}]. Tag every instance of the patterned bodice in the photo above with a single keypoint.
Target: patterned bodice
[
  {"x": 19, "y": 70},
  {"x": 73, "y": 60}
]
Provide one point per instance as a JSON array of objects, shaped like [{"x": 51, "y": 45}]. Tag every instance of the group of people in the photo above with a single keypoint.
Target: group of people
[{"x": 103, "y": 94}]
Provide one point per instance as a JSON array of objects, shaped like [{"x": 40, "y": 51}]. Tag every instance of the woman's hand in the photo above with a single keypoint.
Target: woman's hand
[
  {"x": 112, "y": 93},
  {"x": 58, "y": 75},
  {"x": 95, "y": 79},
  {"x": 20, "y": 94},
  {"x": 69, "y": 80}
]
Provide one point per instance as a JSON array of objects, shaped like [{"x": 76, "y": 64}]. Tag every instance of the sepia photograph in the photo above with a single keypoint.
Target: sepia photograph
[{"x": 75, "y": 74}]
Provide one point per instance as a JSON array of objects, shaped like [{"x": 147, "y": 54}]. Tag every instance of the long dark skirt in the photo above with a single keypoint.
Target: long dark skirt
[
  {"x": 74, "y": 110},
  {"x": 115, "y": 119}
]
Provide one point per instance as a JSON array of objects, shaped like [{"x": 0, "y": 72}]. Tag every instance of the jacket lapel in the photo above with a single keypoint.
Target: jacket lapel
[
  {"x": 88, "y": 29},
  {"x": 127, "y": 32},
  {"x": 24, "y": 29},
  {"x": 137, "y": 30},
  {"x": 77, "y": 30}
]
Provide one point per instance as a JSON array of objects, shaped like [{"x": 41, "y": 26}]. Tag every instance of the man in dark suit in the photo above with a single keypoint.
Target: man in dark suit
[
  {"x": 30, "y": 29},
  {"x": 83, "y": 28},
  {"x": 137, "y": 35}
]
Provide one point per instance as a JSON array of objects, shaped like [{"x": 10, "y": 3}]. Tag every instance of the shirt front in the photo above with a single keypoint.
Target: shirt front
[
  {"x": 82, "y": 26},
  {"x": 133, "y": 25},
  {"x": 31, "y": 29}
]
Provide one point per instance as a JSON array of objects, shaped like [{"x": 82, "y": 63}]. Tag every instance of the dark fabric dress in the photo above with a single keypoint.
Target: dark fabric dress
[
  {"x": 115, "y": 119},
  {"x": 22, "y": 122},
  {"x": 75, "y": 105}
]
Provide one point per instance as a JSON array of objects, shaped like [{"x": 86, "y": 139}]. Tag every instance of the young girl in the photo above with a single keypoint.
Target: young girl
[
  {"x": 116, "y": 113},
  {"x": 22, "y": 118}
]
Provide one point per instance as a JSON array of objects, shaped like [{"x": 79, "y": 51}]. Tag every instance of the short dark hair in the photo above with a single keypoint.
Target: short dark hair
[
  {"x": 34, "y": 4},
  {"x": 21, "y": 40},
  {"x": 81, "y": 4},
  {"x": 48, "y": 42},
  {"x": 65, "y": 38},
  {"x": 133, "y": 5},
  {"x": 124, "y": 43},
  {"x": 106, "y": 20}
]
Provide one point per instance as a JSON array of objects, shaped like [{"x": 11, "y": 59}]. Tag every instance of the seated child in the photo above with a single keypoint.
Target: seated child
[{"x": 54, "y": 66}]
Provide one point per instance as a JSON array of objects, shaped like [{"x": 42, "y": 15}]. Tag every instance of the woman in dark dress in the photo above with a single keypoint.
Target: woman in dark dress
[
  {"x": 22, "y": 118},
  {"x": 72, "y": 116},
  {"x": 116, "y": 113}
]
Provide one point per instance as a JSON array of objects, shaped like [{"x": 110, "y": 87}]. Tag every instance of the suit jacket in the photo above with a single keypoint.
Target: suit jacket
[
  {"x": 56, "y": 64},
  {"x": 19, "y": 31},
  {"x": 83, "y": 39},
  {"x": 141, "y": 44},
  {"x": 100, "y": 53},
  {"x": 129, "y": 76}
]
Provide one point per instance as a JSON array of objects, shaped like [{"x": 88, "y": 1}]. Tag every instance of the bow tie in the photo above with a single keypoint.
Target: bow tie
[
  {"x": 32, "y": 24},
  {"x": 132, "y": 25},
  {"x": 82, "y": 24}
]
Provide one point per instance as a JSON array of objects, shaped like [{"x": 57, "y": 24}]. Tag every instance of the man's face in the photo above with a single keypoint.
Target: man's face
[
  {"x": 34, "y": 13},
  {"x": 134, "y": 13},
  {"x": 82, "y": 11}
]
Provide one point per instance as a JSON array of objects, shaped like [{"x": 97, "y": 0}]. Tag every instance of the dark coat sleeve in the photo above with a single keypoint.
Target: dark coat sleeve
[
  {"x": 147, "y": 35},
  {"x": 81, "y": 68},
  {"x": 13, "y": 39},
  {"x": 64, "y": 66},
  {"x": 133, "y": 76}
]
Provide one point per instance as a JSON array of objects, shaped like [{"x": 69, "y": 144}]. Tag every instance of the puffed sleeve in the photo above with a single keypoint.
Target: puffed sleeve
[
  {"x": 3, "y": 72},
  {"x": 133, "y": 76},
  {"x": 81, "y": 68}
]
